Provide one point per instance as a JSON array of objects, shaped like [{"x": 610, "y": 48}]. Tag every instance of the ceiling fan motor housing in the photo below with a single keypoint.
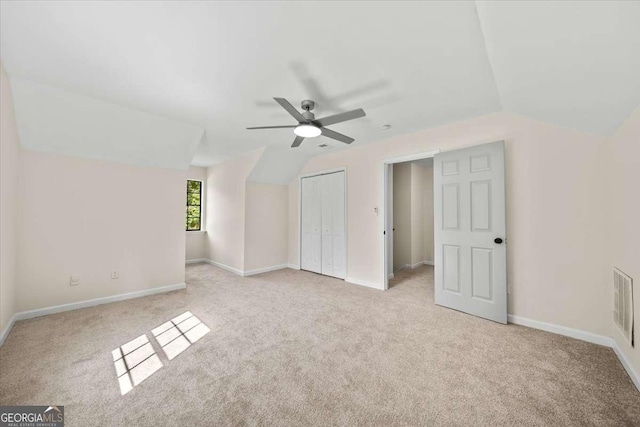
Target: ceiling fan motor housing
[{"x": 307, "y": 105}]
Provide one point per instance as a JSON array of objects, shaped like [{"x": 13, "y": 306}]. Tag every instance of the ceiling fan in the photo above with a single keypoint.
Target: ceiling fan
[{"x": 310, "y": 127}]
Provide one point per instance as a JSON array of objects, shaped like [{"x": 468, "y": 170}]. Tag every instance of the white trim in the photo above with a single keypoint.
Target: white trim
[
  {"x": 245, "y": 273},
  {"x": 23, "y": 315},
  {"x": 382, "y": 212},
  {"x": 429, "y": 263},
  {"x": 561, "y": 330},
  {"x": 391, "y": 276},
  {"x": 5, "y": 332},
  {"x": 225, "y": 267},
  {"x": 264, "y": 270},
  {"x": 583, "y": 336},
  {"x": 355, "y": 281},
  {"x": 411, "y": 157},
  {"x": 626, "y": 364},
  {"x": 195, "y": 261},
  {"x": 293, "y": 266},
  {"x": 97, "y": 301},
  {"x": 323, "y": 172},
  {"x": 196, "y": 231}
]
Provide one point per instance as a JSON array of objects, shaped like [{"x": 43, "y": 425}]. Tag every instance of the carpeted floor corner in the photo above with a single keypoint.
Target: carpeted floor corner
[{"x": 292, "y": 348}]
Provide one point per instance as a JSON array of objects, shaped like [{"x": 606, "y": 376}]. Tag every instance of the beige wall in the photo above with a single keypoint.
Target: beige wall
[
  {"x": 554, "y": 220},
  {"x": 412, "y": 214},
  {"x": 624, "y": 222},
  {"x": 90, "y": 217},
  {"x": 9, "y": 181},
  {"x": 427, "y": 212},
  {"x": 226, "y": 183},
  {"x": 266, "y": 225},
  {"x": 196, "y": 241},
  {"x": 421, "y": 214},
  {"x": 402, "y": 234}
]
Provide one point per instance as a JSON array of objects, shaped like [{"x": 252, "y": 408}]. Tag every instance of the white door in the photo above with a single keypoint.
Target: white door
[
  {"x": 311, "y": 222},
  {"x": 470, "y": 231},
  {"x": 333, "y": 225}
]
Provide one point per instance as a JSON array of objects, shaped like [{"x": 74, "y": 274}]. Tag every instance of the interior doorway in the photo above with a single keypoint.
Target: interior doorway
[
  {"x": 411, "y": 215},
  {"x": 469, "y": 228},
  {"x": 407, "y": 214}
]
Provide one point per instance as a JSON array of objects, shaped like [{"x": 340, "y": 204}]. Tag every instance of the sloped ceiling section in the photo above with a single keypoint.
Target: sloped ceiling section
[
  {"x": 54, "y": 120},
  {"x": 573, "y": 64},
  {"x": 412, "y": 65},
  {"x": 219, "y": 64},
  {"x": 278, "y": 165}
]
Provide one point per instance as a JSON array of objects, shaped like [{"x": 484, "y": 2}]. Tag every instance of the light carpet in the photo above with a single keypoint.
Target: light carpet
[{"x": 298, "y": 349}]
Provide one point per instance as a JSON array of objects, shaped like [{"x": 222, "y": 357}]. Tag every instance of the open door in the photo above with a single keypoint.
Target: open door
[{"x": 470, "y": 231}]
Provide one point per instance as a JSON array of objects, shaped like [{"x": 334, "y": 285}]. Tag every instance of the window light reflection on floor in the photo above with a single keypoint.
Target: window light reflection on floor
[
  {"x": 176, "y": 335},
  {"x": 135, "y": 361}
]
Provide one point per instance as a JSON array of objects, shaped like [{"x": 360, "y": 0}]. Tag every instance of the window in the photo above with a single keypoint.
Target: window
[{"x": 194, "y": 209}]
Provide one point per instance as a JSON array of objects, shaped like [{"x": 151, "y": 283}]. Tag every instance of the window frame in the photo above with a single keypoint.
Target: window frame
[{"x": 187, "y": 205}]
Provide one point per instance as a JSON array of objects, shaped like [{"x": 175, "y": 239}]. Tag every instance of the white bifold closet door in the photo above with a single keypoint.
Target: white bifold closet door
[
  {"x": 311, "y": 223},
  {"x": 323, "y": 225}
]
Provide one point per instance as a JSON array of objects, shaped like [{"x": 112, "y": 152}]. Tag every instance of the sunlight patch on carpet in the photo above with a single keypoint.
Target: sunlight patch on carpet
[
  {"x": 135, "y": 361},
  {"x": 176, "y": 335}
]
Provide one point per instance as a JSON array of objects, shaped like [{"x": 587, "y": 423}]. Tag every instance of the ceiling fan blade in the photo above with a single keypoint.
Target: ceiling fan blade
[
  {"x": 341, "y": 117},
  {"x": 291, "y": 109},
  {"x": 297, "y": 142},
  {"x": 337, "y": 136},
  {"x": 273, "y": 127}
]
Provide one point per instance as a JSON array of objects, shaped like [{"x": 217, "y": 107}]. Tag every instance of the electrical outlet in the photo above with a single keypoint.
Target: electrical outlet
[
  {"x": 115, "y": 275},
  {"x": 74, "y": 281}
]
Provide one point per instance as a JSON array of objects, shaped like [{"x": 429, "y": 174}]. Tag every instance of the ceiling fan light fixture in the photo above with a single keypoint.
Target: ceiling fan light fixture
[{"x": 307, "y": 131}]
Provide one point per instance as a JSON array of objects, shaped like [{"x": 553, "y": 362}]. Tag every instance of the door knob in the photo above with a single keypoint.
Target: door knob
[{"x": 498, "y": 240}]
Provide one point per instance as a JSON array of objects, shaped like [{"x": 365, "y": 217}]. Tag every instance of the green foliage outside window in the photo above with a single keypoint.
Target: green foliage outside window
[{"x": 194, "y": 209}]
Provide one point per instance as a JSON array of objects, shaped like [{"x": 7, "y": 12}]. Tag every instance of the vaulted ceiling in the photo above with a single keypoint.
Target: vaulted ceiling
[{"x": 207, "y": 70}]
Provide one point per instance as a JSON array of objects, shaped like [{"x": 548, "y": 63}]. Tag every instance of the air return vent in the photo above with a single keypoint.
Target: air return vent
[{"x": 623, "y": 304}]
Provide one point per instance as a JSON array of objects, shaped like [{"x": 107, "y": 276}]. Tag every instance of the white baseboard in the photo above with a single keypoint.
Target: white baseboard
[
  {"x": 416, "y": 265},
  {"x": 293, "y": 266},
  {"x": 7, "y": 329},
  {"x": 626, "y": 364},
  {"x": 561, "y": 330},
  {"x": 98, "y": 301},
  {"x": 245, "y": 273},
  {"x": 580, "y": 335},
  {"x": 355, "y": 281},
  {"x": 224, "y": 267},
  {"x": 264, "y": 270},
  {"x": 195, "y": 261},
  {"x": 390, "y": 276},
  {"x": 23, "y": 315}
]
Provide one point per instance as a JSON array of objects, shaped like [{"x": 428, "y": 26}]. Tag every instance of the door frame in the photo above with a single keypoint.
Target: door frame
[
  {"x": 346, "y": 208},
  {"x": 386, "y": 163}
]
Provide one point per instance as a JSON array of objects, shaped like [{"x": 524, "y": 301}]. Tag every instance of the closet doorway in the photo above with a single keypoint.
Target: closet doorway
[{"x": 323, "y": 223}]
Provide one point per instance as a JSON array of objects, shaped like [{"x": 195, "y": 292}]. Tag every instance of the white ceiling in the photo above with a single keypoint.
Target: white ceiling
[
  {"x": 55, "y": 120},
  {"x": 414, "y": 65},
  {"x": 574, "y": 64}
]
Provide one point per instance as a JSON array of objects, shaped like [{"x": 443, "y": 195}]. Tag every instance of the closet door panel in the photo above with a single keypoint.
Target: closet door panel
[
  {"x": 311, "y": 223},
  {"x": 333, "y": 226},
  {"x": 339, "y": 246}
]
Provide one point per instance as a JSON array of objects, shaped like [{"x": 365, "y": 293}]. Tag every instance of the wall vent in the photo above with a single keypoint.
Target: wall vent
[{"x": 623, "y": 304}]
